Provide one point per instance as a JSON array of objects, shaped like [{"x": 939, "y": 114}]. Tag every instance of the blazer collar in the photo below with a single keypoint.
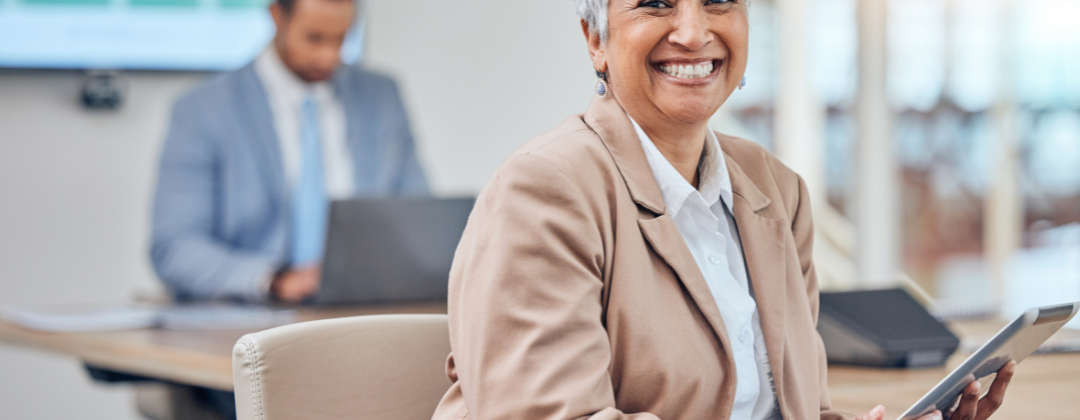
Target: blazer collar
[
  {"x": 741, "y": 184},
  {"x": 608, "y": 119}
]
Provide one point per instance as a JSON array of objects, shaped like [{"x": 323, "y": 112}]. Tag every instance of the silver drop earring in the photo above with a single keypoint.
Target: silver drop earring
[
  {"x": 742, "y": 84},
  {"x": 601, "y": 85}
]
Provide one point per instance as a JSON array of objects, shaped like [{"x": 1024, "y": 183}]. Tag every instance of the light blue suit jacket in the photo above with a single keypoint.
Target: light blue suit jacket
[{"x": 220, "y": 218}]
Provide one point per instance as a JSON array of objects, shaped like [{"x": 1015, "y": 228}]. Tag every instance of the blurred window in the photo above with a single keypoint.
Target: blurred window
[{"x": 951, "y": 64}]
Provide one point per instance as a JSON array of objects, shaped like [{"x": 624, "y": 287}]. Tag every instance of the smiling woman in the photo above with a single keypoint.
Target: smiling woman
[
  {"x": 633, "y": 264},
  {"x": 654, "y": 55}
]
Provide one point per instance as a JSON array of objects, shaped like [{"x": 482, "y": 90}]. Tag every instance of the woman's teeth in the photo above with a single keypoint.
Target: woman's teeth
[{"x": 689, "y": 71}]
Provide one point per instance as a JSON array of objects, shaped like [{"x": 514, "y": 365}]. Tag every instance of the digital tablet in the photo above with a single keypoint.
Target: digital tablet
[{"x": 1014, "y": 342}]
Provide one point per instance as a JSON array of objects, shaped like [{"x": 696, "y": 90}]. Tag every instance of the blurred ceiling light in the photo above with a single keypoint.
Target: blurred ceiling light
[
  {"x": 916, "y": 57},
  {"x": 834, "y": 44},
  {"x": 974, "y": 69},
  {"x": 1048, "y": 53}
]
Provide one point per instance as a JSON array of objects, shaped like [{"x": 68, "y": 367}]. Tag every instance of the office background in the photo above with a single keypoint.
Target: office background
[
  {"x": 76, "y": 184},
  {"x": 481, "y": 77}
]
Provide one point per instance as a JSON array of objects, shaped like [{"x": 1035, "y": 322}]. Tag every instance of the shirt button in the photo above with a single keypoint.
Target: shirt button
[
  {"x": 714, "y": 258},
  {"x": 745, "y": 335}
]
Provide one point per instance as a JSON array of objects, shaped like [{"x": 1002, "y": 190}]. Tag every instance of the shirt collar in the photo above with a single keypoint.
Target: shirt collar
[
  {"x": 280, "y": 81},
  {"x": 715, "y": 183}
]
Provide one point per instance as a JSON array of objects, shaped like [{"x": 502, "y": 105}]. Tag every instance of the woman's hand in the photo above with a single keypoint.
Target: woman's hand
[
  {"x": 973, "y": 408},
  {"x": 878, "y": 413},
  {"x": 970, "y": 407}
]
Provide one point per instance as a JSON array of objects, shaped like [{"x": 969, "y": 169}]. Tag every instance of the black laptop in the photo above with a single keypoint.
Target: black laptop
[{"x": 386, "y": 250}]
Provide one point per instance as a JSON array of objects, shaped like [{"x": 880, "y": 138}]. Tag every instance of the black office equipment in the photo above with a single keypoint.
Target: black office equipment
[
  {"x": 882, "y": 328},
  {"x": 381, "y": 250}
]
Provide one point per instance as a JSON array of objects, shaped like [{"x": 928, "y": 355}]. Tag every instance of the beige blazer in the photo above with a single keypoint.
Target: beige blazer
[{"x": 573, "y": 295}]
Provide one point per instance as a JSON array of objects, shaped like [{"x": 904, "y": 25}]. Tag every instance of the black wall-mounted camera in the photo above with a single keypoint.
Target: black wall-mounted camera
[{"x": 103, "y": 90}]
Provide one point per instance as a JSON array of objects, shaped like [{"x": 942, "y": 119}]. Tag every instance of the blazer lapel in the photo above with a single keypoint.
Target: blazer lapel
[
  {"x": 606, "y": 117},
  {"x": 763, "y": 244},
  {"x": 262, "y": 138},
  {"x": 665, "y": 239}
]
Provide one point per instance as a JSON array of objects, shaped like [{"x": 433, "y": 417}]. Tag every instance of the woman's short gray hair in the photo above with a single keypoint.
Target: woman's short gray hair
[{"x": 594, "y": 13}]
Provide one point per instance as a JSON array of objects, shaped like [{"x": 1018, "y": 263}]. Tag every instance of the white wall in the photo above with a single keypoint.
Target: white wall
[
  {"x": 479, "y": 78},
  {"x": 74, "y": 200}
]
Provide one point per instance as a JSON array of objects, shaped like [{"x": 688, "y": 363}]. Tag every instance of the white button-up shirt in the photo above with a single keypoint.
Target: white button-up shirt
[
  {"x": 286, "y": 93},
  {"x": 704, "y": 218}
]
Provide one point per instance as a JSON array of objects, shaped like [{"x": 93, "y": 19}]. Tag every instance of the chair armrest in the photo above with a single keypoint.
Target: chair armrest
[{"x": 381, "y": 366}]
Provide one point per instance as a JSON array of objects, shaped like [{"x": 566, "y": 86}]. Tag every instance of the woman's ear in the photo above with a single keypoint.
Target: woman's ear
[{"x": 596, "y": 48}]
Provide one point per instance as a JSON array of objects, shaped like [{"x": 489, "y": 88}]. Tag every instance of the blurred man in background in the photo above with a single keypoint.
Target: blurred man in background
[{"x": 253, "y": 157}]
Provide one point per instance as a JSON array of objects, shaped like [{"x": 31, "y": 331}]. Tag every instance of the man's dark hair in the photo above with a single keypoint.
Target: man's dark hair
[{"x": 289, "y": 5}]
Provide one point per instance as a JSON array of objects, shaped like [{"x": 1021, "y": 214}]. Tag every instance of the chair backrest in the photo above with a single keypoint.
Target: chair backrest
[{"x": 388, "y": 367}]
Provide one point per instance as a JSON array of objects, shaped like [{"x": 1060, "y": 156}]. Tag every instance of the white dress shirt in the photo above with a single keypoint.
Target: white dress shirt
[
  {"x": 286, "y": 93},
  {"x": 704, "y": 218}
]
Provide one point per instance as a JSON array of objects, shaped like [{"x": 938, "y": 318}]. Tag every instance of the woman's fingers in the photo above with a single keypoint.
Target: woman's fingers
[
  {"x": 970, "y": 407},
  {"x": 969, "y": 401},
  {"x": 936, "y": 415},
  {"x": 993, "y": 399},
  {"x": 878, "y": 413}
]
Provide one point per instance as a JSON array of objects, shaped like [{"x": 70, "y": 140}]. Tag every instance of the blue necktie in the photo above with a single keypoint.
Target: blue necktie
[{"x": 309, "y": 201}]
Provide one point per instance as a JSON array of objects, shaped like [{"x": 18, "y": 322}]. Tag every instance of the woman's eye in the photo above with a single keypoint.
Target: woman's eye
[
  {"x": 655, "y": 4},
  {"x": 708, "y": 2}
]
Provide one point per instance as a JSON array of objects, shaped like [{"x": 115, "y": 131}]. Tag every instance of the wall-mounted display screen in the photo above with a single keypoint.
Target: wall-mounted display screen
[{"x": 132, "y": 34}]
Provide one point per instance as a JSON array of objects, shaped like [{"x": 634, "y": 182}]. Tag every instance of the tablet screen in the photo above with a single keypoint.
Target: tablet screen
[{"x": 1014, "y": 342}]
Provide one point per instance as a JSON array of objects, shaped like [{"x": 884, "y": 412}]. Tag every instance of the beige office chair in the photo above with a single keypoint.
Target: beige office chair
[{"x": 386, "y": 367}]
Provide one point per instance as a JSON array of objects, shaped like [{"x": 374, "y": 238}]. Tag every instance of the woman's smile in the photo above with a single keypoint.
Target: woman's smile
[{"x": 689, "y": 71}]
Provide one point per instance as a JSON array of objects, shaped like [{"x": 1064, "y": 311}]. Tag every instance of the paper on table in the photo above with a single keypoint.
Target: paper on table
[
  {"x": 93, "y": 320},
  {"x": 175, "y": 317}
]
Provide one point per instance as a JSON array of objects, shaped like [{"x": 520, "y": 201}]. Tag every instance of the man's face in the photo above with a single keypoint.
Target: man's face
[{"x": 309, "y": 37}]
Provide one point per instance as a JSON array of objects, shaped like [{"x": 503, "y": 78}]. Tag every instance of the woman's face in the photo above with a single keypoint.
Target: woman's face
[{"x": 673, "y": 59}]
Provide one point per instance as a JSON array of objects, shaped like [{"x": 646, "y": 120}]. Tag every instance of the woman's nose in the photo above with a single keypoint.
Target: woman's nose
[{"x": 691, "y": 27}]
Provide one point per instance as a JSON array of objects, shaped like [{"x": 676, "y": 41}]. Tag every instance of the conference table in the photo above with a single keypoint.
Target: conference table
[
  {"x": 200, "y": 358},
  {"x": 1044, "y": 387}
]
